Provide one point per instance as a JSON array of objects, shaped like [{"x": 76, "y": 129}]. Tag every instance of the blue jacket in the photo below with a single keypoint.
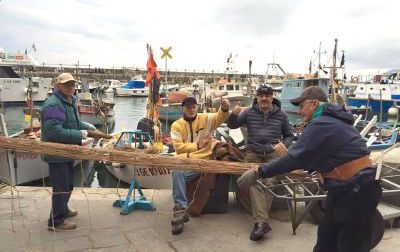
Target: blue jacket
[
  {"x": 60, "y": 123},
  {"x": 327, "y": 141},
  {"x": 263, "y": 130}
]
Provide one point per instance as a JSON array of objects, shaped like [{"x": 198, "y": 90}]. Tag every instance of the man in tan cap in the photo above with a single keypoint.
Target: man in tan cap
[
  {"x": 60, "y": 123},
  {"x": 331, "y": 146}
]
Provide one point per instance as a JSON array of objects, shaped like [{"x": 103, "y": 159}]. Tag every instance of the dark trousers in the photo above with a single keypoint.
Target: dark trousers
[
  {"x": 347, "y": 223},
  {"x": 62, "y": 179}
]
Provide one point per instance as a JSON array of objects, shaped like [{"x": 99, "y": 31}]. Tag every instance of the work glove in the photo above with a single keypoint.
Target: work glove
[
  {"x": 96, "y": 134},
  {"x": 248, "y": 179}
]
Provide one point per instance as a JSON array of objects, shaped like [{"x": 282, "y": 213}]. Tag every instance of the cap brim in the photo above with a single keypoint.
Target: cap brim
[
  {"x": 296, "y": 101},
  {"x": 68, "y": 81},
  {"x": 189, "y": 103}
]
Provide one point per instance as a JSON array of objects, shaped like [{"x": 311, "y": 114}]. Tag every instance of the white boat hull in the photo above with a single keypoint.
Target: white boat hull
[
  {"x": 135, "y": 92},
  {"x": 15, "y": 89},
  {"x": 25, "y": 166}
]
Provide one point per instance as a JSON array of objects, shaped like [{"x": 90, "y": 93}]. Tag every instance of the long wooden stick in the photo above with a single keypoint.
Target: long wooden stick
[{"x": 137, "y": 158}]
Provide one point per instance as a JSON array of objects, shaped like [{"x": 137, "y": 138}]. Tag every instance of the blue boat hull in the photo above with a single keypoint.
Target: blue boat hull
[{"x": 374, "y": 104}]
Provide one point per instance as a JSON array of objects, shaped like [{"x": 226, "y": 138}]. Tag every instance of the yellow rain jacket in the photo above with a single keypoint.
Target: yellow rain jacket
[{"x": 187, "y": 134}]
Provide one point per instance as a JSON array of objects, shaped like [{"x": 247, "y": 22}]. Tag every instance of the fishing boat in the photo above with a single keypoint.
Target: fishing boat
[
  {"x": 112, "y": 85},
  {"x": 147, "y": 176},
  {"x": 135, "y": 88},
  {"x": 376, "y": 96},
  {"x": 292, "y": 88},
  {"x": 96, "y": 111},
  {"x": 20, "y": 167},
  {"x": 231, "y": 90},
  {"x": 13, "y": 88}
]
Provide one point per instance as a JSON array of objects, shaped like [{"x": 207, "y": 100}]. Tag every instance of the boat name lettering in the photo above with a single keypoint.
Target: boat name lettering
[
  {"x": 11, "y": 81},
  {"x": 152, "y": 171},
  {"x": 26, "y": 155}
]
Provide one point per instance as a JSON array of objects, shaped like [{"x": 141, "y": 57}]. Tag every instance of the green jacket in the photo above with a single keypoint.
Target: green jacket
[{"x": 60, "y": 123}]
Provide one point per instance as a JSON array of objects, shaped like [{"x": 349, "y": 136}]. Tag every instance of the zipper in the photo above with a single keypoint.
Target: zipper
[{"x": 191, "y": 131}]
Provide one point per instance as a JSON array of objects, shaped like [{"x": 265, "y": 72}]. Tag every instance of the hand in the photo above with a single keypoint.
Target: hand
[
  {"x": 248, "y": 179},
  {"x": 96, "y": 134},
  {"x": 237, "y": 109},
  {"x": 224, "y": 104},
  {"x": 204, "y": 142},
  {"x": 280, "y": 149}
]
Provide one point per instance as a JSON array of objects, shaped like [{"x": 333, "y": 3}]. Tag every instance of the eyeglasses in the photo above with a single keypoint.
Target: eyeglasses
[{"x": 301, "y": 106}]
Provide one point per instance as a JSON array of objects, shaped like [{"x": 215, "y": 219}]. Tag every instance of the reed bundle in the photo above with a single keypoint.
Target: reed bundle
[{"x": 118, "y": 156}]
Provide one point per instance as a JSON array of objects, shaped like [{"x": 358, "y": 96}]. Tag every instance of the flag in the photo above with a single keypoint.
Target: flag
[
  {"x": 342, "y": 61},
  {"x": 34, "y": 47},
  {"x": 229, "y": 59},
  {"x": 153, "y": 76},
  {"x": 309, "y": 67},
  {"x": 320, "y": 67}
]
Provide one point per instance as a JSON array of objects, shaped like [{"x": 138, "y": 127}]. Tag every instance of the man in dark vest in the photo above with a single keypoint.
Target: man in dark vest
[{"x": 268, "y": 128}]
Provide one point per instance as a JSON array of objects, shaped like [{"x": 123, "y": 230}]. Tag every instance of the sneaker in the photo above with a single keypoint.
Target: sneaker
[
  {"x": 67, "y": 225},
  {"x": 71, "y": 213},
  {"x": 179, "y": 216}
]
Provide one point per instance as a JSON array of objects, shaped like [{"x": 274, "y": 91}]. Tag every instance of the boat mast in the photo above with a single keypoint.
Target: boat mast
[
  {"x": 333, "y": 74},
  {"x": 249, "y": 83},
  {"x": 319, "y": 57}
]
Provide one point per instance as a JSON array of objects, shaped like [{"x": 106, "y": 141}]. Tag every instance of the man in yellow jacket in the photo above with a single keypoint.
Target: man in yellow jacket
[{"x": 192, "y": 138}]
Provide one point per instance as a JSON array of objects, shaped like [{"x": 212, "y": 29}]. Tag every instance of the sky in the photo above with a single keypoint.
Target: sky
[{"x": 204, "y": 33}]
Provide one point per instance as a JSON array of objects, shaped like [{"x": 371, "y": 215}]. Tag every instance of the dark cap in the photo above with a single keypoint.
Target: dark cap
[
  {"x": 310, "y": 93},
  {"x": 266, "y": 90},
  {"x": 189, "y": 100}
]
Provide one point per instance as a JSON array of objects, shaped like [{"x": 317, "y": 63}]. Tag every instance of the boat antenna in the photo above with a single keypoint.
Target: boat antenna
[{"x": 333, "y": 74}]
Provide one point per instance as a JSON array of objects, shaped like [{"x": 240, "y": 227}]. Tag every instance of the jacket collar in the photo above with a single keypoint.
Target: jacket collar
[
  {"x": 189, "y": 119},
  {"x": 318, "y": 111}
]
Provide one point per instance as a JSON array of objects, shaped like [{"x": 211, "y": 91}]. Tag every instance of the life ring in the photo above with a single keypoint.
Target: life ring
[{"x": 354, "y": 79}]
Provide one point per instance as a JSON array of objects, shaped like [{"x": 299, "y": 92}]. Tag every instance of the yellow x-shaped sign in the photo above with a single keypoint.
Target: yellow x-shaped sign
[{"x": 166, "y": 52}]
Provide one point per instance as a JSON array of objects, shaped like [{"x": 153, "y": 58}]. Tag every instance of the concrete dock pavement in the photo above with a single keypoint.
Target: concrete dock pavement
[{"x": 24, "y": 213}]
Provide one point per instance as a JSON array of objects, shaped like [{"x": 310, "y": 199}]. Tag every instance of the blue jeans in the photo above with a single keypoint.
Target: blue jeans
[
  {"x": 179, "y": 180},
  {"x": 62, "y": 179}
]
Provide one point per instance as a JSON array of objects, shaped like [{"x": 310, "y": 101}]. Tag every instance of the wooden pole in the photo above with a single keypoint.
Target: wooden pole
[{"x": 119, "y": 156}]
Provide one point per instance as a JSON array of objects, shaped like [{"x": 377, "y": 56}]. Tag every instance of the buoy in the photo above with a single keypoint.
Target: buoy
[
  {"x": 393, "y": 114},
  {"x": 393, "y": 111}
]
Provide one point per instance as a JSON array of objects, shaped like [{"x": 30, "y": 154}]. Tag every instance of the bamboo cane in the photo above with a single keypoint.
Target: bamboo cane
[{"x": 113, "y": 155}]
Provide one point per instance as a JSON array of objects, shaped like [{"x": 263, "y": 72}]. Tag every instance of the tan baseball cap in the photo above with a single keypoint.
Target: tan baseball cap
[
  {"x": 311, "y": 93},
  {"x": 64, "y": 78}
]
